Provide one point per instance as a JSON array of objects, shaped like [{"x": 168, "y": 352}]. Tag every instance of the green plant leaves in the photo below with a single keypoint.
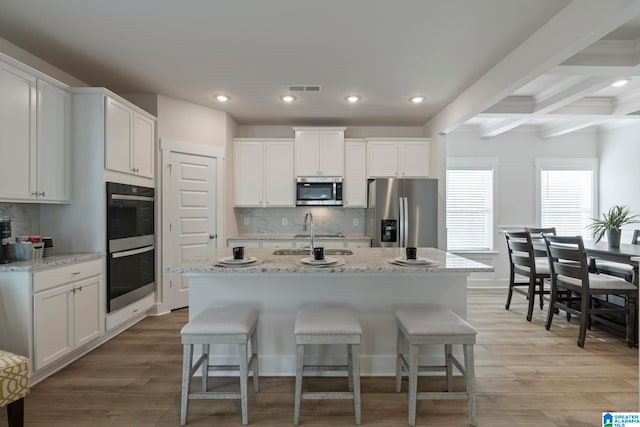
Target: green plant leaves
[{"x": 614, "y": 219}]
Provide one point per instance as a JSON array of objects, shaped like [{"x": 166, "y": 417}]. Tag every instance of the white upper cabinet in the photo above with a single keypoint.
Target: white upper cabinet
[
  {"x": 319, "y": 151},
  {"x": 130, "y": 137},
  {"x": 34, "y": 134},
  {"x": 398, "y": 158},
  {"x": 355, "y": 175},
  {"x": 53, "y": 148},
  {"x": 263, "y": 173},
  {"x": 17, "y": 132}
]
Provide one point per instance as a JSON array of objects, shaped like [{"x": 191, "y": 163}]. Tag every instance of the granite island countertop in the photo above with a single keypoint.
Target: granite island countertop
[
  {"x": 363, "y": 260},
  {"x": 291, "y": 236},
  {"x": 50, "y": 262}
]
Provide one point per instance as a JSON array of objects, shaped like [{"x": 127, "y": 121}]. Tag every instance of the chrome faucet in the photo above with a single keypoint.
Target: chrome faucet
[{"x": 311, "y": 231}]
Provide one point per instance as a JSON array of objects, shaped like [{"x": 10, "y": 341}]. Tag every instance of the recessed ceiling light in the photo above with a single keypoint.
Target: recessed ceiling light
[
  {"x": 417, "y": 99},
  {"x": 353, "y": 98},
  {"x": 222, "y": 98},
  {"x": 620, "y": 83},
  {"x": 288, "y": 98}
]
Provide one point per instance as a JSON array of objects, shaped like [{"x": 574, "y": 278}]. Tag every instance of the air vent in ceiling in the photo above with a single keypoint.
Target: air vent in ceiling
[{"x": 304, "y": 88}]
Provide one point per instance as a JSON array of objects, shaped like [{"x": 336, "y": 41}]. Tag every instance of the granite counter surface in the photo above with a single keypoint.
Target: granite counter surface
[
  {"x": 363, "y": 260},
  {"x": 50, "y": 262},
  {"x": 265, "y": 236}
]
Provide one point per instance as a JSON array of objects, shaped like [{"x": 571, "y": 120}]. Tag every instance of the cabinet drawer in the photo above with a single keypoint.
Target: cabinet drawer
[{"x": 69, "y": 273}]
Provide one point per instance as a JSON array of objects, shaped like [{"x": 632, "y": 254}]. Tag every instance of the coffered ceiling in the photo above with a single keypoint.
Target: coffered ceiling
[{"x": 490, "y": 64}]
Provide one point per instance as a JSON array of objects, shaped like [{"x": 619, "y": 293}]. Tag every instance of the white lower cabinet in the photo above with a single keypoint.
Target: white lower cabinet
[
  {"x": 66, "y": 318},
  {"x": 52, "y": 315}
]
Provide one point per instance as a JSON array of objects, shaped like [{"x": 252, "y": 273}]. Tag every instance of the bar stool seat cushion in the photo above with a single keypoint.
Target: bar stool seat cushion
[
  {"x": 14, "y": 377},
  {"x": 542, "y": 266},
  {"x": 433, "y": 322},
  {"x": 599, "y": 281},
  {"x": 222, "y": 321},
  {"x": 327, "y": 321}
]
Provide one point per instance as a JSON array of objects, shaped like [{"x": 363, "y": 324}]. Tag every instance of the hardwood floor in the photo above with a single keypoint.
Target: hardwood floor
[{"x": 526, "y": 376}]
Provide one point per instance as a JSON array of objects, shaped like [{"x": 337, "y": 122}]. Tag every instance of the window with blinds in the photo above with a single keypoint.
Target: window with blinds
[
  {"x": 566, "y": 201},
  {"x": 470, "y": 209}
]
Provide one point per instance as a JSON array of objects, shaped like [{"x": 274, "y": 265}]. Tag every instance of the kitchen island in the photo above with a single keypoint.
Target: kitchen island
[{"x": 278, "y": 285}]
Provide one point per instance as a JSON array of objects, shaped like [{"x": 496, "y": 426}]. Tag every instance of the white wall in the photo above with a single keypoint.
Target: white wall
[
  {"x": 185, "y": 121},
  {"x": 619, "y": 151},
  {"x": 516, "y": 152},
  {"x": 33, "y": 61},
  {"x": 248, "y": 131}
]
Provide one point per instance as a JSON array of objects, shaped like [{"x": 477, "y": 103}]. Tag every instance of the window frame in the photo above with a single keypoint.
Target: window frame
[
  {"x": 477, "y": 163},
  {"x": 582, "y": 163}
]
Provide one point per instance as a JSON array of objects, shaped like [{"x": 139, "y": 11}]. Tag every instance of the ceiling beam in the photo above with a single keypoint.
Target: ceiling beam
[
  {"x": 557, "y": 129},
  {"x": 580, "y": 24},
  {"x": 628, "y": 104},
  {"x": 501, "y": 127},
  {"x": 572, "y": 93},
  {"x": 561, "y": 116}
]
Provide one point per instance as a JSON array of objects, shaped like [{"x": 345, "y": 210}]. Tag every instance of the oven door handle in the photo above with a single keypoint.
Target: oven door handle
[
  {"x": 128, "y": 197},
  {"x": 133, "y": 252}
]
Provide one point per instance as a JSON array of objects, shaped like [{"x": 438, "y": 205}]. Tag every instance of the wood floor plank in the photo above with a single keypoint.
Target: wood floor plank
[{"x": 526, "y": 375}]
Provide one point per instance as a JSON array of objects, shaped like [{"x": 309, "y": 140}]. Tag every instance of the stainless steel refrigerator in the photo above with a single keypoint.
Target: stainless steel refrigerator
[{"x": 403, "y": 212}]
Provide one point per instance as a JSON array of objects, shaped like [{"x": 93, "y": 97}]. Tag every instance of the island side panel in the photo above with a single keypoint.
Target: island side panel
[{"x": 374, "y": 297}]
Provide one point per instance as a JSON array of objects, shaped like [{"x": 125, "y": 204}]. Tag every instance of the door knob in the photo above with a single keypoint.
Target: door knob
[{"x": 213, "y": 236}]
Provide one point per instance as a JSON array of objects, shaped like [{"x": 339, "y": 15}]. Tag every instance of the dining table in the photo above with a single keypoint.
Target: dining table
[{"x": 626, "y": 253}]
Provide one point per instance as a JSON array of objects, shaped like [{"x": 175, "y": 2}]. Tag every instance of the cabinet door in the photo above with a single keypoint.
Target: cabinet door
[
  {"x": 119, "y": 134},
  {"x": 382, "y": 159},
  {"x": 414, "y": 159},
  {"x": 88, "y": 310},
  {"x": 248, "y": 173},
  {"x": 17, "y": 133},
  {"x": 53, "y": 324},
  {"x": 143, "y": 145},
  {"x": 53, "y": 119},
  {"x": 355, "y": 179},
  {"x": 279, "y": 178},
  {"x": 307, "y": 153},
  {"x": 331, "y": 144}
]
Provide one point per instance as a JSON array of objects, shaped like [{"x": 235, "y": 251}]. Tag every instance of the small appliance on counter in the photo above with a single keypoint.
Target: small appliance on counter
[{"x": 5, "y": 233}]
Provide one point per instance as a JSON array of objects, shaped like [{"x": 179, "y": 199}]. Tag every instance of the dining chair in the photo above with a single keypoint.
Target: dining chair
[
  {"x": 618, "y": 269},
  {"x": 526, "y": 262},
  {"x": 569, "y": 271}
]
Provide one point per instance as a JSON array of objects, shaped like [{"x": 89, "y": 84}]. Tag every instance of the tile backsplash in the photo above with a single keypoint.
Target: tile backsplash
[
  {"x": 290, "y": 220},
  {"x": 25, "y": 218}
]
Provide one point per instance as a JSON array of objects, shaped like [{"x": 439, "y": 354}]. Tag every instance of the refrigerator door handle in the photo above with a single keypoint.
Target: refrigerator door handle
[
  {"x": 406, "y": 221},
  {"x": 401, "y": 225}
]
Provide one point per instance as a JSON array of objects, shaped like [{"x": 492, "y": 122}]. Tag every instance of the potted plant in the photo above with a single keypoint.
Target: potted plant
[{"x": 611, "y": 223}]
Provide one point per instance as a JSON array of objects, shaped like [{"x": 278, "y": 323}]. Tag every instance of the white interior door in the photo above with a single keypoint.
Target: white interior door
[{"x": 191, "y": 216}]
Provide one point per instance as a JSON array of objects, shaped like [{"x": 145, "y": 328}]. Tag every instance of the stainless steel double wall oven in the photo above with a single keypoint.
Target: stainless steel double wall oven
[{"x": 131, "y": 244}]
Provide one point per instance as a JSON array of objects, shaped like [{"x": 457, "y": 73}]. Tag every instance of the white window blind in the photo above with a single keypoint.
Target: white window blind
[
  {"x": 566, "y": 200},
  {"x": 470, "y": 209}
]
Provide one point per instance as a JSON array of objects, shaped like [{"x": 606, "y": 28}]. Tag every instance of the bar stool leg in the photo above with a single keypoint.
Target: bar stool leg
[
  {"x": 413, "y": 382},
  {"x": 205, "y": 367},
  {"x": 470, "y": 377},
  {"x": 350, "y": 366},
  {"x": 187, "y": 361},
  {"x": 298, "y": 396},
  {"x": 254, "y": 352},
  {"x": 243, "y": 383},
  {"x": 355, "y": 351},
  {"x": 399, "y": 346},
  {"x": 448, "y": 354}
]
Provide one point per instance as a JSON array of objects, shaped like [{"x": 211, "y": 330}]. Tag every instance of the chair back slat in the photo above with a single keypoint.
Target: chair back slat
[
  {"x": 541, "y": 231},
  {"x": 520, "y": 250},
  {"x": 567, "y": 257}
]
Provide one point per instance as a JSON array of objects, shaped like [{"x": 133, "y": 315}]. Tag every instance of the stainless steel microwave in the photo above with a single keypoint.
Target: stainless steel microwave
[{"x": 319, "y": 191}]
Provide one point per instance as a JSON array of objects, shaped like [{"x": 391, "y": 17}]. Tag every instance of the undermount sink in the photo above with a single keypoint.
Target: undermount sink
[
  {"x": 303, "y": 251},
  {"x": 319, "y": 235}
]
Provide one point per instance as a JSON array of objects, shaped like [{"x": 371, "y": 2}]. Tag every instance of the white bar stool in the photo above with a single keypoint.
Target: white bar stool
[
  {"x": 220, "y": 326},
  {"x": 328, "y": 326},
  {"x": 440, "y": 326}
]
